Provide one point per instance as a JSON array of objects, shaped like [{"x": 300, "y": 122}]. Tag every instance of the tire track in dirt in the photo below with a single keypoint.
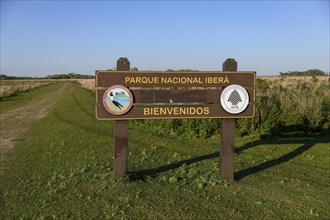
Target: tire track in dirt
[{"x": 17, "y": 121}]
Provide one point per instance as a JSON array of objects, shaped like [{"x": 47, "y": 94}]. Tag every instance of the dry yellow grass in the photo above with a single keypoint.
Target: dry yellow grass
[
  {"x": 87, "y": 83},
  {"x": 292, "y": 80},
  {"x": 14, "y": 87}
]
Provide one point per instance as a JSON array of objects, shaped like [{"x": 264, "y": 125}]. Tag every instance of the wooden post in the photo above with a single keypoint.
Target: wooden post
[
  {"x": 121, "y": 133},
  {"x": 227, "y": 136}
]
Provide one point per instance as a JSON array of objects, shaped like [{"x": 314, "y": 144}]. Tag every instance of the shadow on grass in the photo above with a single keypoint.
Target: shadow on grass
[
  {"x": 143, "y": 174},
  {"x": 307, "y": 143}
]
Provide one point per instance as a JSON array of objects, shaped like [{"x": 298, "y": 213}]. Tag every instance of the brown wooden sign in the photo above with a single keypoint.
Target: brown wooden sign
[{"x": 123, "y": 95}]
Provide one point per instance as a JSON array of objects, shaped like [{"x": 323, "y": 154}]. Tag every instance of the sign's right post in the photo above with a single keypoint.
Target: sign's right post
[{"x": 227, "y": 146}]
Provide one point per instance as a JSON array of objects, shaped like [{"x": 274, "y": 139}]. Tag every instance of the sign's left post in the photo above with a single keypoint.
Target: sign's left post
[{"x": 121, "y": 132}]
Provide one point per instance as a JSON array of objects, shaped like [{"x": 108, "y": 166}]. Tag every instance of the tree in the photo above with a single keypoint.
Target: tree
[{"x": 311, "y": 72}]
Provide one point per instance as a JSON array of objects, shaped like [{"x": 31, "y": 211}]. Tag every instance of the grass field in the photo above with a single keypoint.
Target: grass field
[{"x": 62, "y": 169}]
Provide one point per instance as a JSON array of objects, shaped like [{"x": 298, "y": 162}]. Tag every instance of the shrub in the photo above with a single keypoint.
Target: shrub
[{"x": 281, "y": 109}]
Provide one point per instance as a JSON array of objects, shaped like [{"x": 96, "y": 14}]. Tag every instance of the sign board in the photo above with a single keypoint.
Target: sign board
[{"x": 124, "y": 95}]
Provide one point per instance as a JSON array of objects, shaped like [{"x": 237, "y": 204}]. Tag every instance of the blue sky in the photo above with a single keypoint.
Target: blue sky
[{"x": 39, "y": 38}]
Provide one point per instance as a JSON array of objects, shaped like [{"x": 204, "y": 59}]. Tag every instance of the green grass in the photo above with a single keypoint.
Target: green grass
[
  {"x": 62, "y": 169},
  {"x": 22, "y": 98}
]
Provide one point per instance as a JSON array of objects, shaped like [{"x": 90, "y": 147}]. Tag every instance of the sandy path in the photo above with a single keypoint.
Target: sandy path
[{"x": 15, "y": 122}]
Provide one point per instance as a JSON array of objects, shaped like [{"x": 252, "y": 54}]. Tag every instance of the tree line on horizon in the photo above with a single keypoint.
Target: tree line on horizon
[
  {"x": 70, "y": 76},
  {"x": 311, "y": 72}
]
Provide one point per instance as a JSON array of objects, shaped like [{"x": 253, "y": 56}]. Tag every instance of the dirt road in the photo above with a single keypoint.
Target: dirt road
[{"x": 15, "y": 122}]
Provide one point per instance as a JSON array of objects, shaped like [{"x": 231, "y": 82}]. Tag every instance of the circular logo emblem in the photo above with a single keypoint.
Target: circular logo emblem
[
  {"x": 118, "y": 100},
  {"x": 234, "y": 99}
]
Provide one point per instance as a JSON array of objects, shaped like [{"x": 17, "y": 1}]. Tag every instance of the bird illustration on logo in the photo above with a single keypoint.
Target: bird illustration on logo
[
  {"x": 118, "y": 100},
  {"x": 117, "y": 104}
]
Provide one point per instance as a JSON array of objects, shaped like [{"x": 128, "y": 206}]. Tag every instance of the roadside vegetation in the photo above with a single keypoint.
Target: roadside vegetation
[
  {"x": 22, "y": 98},
  {"x": 9, "y": 88},
  {"x": 12, "y": 85},
  {"x": 87, "y": 84},
  {"x": 62, "y": 169}
]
